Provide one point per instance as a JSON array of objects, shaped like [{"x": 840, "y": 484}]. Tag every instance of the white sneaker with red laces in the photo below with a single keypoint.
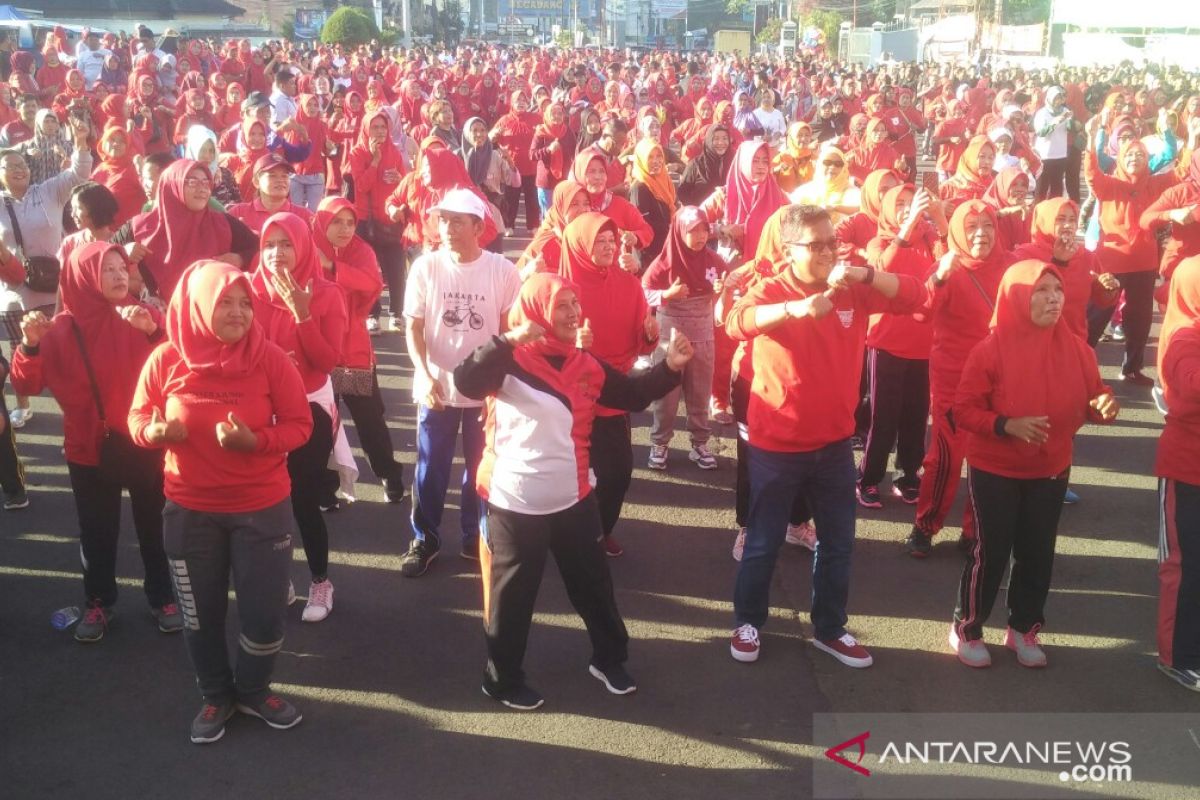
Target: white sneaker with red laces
[
  {"x": 804, "y": 535},
  {"x": 320, "y": 601},
  {"x": 744, "y": 645},
  {"x": 1027, "y": 647},
  {"x": 847, "y": 650}
]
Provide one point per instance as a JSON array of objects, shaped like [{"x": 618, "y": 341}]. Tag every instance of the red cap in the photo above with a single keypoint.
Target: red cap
[{"x": 270, "y": 161}]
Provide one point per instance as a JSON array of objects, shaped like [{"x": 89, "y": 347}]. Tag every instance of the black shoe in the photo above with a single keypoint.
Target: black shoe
[
  {"x": 868, "y": 497},
  {"x": 521, "y": 698},
  {"x": 615, "y": 679},
  {"x": 416, "y": 561},
  {"x": 907, "y": 492},
  {"x": 16, "y": 502},
  {"x": 918, "y": 544},
  {"x": 1137, "y": 379},
  {"x": 470, "y": 551},
  {"x": 393, "y": 490},
  {"x": 330, "y": 506},
  {"x": 209, "y": 724}
]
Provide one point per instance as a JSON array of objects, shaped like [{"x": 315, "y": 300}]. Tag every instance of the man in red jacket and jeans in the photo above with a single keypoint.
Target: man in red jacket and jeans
[{"x": 809, "y": 327}]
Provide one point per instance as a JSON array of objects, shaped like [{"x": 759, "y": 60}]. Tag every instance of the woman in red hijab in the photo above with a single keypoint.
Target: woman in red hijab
[
  {"x": 535, "y": 474},
  {"x": 376, "y": 165},
  {"x": 1126, "y": 249},
  {"x": 151, "y": 119},
  {"x": 544, "y": 252},
  {"x": 623, "y": 328},
  {"x": 873, "y": 152},
  {"x": 21, "y": 79},
  {"x": 1008, "y": 196},
  {"x": 73, "y": 96},
  {"x": 231, "y": 112},
  {"x": 89, "y": 357},
  {"x": 513, "y": 133},
  {"x": 305, "y": 315},
  {"x": 414, "y": 201},
  {"x": 856, "y": 231},
  {"x": 308, "y": 181},
  {"x": 1178, "y": 208},
  {"x": 1052, "y": 241},
  {"x": 349, "y": 262},
  {"x": 52, "y": 76},
  {"x": 182, "y": 229},
  {"x": 118, "y": 173},
  {"x": 227, "y": 406},
  {"x": 197, "y": 111},
  {"x": 591, "y": 172},
  {"x": 950, "y": 137},
  {"x": 1179, "y": 480},
  {"x": 962, "y": 296},
  {"x": 252, "y": 145},
  {"x": 1026, "y": 389},
  {"x": 972, "y": 176},
  {"x": 553, "y": 149}
]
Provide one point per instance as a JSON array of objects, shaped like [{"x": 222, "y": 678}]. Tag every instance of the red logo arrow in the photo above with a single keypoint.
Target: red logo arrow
[{"x": 834, "y": 753}]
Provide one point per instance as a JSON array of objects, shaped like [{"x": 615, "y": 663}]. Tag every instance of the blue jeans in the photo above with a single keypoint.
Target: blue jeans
[
  {"x": 826, "y": 477},
  {"x": 545, "y": 196},
  {"x": 437, "y": 433},
  {"x": 307, "y": 190}
]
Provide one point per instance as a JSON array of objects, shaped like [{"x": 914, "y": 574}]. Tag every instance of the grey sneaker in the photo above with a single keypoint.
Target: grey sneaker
[
  {"x": 273, "y": 710},
  {"x": 658, "y": 457},
  {"x": 415, "y": 562},
  {"x": 1026, "y": 646},
  {"x": 973, "y": 653},
  {"x": 209, "y": 724},
  {"x": 702, "y": 457},
  {"x": 94, "y": 624},
  {"x": 169, "y": 618}
]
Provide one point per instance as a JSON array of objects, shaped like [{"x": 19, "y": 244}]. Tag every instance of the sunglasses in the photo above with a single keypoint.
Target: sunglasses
[{"x": 818, "y": 245}]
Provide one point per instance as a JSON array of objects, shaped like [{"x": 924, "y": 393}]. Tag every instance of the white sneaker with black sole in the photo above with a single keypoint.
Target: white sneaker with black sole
[{"x": 702, "y": 457}]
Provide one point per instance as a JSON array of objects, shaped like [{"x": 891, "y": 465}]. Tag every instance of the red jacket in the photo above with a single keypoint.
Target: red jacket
[
  {"x": 1185, "y": 239},
  {"x": 1125, "y": 246},
  {"x": 255, "y": 215},
  {"x": 199, "y": 474},
  {"x": 900, "y": 334},
  {"x": 315, "y": 345},
  {"x": 628, "y": 218},
  {"x": 982, "y": 388},
  {"x": 357, "y": 274},
  {"x": 1178, "y": 450},
  {"x": 1080, "y": 286},
  {"x": 807, "y": 372},
  {"x": 57, "y": 365},
  {"x": 960, "y": 311}
]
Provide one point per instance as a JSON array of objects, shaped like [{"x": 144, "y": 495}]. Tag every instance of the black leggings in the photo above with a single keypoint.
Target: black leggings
[
  {"x": 612, "y": 461},
  {"x": 12, "y": 474},
  {"x": 307, "y": 466},
  {"x": 374, "y": 436},
  {"x": 389, "y": 251},
  {"x": 1136, "y": 317},
  {"x": 512, "y": 195},
  {"x": 899, "y": 408},
  {"x": 98, "y": 504},
  {"x": 1050, "y": 182}
]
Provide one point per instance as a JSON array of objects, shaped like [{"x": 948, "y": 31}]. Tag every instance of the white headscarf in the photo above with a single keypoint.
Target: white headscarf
[{"x": 197, "y": 135}]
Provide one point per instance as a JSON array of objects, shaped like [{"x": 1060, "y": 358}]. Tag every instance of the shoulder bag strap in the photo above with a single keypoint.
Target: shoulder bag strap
[
  {"x": 87, "y": 364},
  {"x": 991, "y": 301},
  {"x": 16, "y": 225}
]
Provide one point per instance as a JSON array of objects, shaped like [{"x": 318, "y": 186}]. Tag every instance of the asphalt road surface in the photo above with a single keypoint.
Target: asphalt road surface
[{"x": 390, "y": 683}]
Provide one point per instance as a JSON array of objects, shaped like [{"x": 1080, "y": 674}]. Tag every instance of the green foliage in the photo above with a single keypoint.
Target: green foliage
[
  {"x": 1018, "y": 12},
  {"x": 770, "y": 32},
  {"x": 348, "y": 26},
  {"x": 829, "y": 22},
  {"x": 565, "y": 39},
  {"x": 738, "y": 7},
  {"x": 287, "y": 29}
]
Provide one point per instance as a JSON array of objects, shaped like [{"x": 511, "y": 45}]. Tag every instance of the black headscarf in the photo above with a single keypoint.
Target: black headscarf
[
  {"x": 707, "y": 172},
  {"x": 585, "y": 140}
]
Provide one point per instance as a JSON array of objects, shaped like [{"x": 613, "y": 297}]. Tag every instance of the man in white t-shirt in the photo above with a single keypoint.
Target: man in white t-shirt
[
  {"x": 90, "y": 57},
  {"x": 456, "y": 299}
]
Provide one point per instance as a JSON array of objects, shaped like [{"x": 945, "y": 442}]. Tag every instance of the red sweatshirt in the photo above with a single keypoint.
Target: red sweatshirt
[
  {"x": 200, "y": 475},
  {"x": 1124, "y": 245},
  {"x": 1179, "y": 445},
  {"x": 357, "y": 274},
  {"x": 1185, "y": 239},
  {"x": 982, "y": 389},
  {"x": 315, "y": 345},
  {"x": 900, "y": 334},
  {"x": 807, "y": 372},
  {"x": 628, "y": 218},
  {"x": 57, "y": 365},
  {"x": 254, "y": 214}
]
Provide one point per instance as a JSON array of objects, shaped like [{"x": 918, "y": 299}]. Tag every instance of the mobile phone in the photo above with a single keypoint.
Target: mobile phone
[{"x": 929, "y": 182}]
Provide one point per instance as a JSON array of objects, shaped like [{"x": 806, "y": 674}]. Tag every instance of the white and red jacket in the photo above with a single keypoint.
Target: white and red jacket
[{"x": 540, "y": 411}]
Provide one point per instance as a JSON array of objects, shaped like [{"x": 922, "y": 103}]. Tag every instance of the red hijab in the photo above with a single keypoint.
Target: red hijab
[
  {"x": 536, "y": 304},
  {"x": 748, "y": 203},
  {"x": 270, "y": 310},
  {"x": 1183, "y": 308},
  {"x": 961, "y": 245},
  {"x": 611, "y": 298},
  {"x": 176, "y": 236},
  {"x": 554, "y": 133},
  {"x": 189, "y": 323},
  {"x": 695, "y": 268}
]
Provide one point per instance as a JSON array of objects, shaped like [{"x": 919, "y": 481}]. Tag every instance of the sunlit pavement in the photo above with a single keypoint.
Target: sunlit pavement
[{"x": 389, "y": 684}]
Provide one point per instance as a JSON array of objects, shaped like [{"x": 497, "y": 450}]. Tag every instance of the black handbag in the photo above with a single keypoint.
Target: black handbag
[
  {"x": 41, "y": 272},
  {"x": 113, "y": 451}
]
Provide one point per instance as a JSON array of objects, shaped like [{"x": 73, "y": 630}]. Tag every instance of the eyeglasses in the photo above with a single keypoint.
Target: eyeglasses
[
  {"x": 834, "y": 163},
  {"x": 197, "y": 183},
  {"x": 818, "y": 245}
]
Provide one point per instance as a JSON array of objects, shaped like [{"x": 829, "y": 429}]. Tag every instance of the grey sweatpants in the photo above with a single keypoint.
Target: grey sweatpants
[
  {"x": 696, "y": 388},
  {"x": 202, "y": 548}
]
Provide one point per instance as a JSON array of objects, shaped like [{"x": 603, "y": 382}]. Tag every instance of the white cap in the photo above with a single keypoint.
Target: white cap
[{"x": 463, "y": 201}]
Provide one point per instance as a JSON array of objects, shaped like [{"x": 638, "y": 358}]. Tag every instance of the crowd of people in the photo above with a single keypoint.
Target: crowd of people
[{"x": 199, "y": 239}]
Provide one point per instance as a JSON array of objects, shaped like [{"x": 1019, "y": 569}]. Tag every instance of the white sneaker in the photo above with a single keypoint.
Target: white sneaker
[
  {"x": 373, "y": 326},
  {"x": 973, "y": 653},
  {"x": 19, "y": 416},
  {"x": 320, "y": 601},
  {"x": 291, "y": 592},
  {"x": 804, "y": 535},
  {"x": 658, "y": 457},
  {"x": 702, "y": 457},
  {"x": 739, "y": 543},
  {"x": 1027, "y": 647}
]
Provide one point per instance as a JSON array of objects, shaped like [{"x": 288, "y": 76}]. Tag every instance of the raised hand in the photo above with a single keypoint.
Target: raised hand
[
  {"x": 160, "y": 431},
  {"x": 297, "y": 300},
  {"x": 584, "y": 336},
  {"x": 33, "y": 327},
  {"x": 139, "y": 318},
  {"x": 677, "y": 290},
  {"x": 525, "y": 333}
]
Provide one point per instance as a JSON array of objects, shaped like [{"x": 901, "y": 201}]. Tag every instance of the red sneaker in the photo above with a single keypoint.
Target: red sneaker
[
  {"x": 847, "y": 650},
  {"x": 744, "y": 646},
  {"x": 611, "y": 548}
]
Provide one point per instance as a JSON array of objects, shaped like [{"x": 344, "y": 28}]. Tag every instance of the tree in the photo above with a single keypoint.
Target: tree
[
  {"x": 829, "y": 23},
  {"x": 287, "y": 29},
  {"x": 449, "y": 22},
  {"x": 770, "y": 32},
  {"x": 348, "y": 26}
]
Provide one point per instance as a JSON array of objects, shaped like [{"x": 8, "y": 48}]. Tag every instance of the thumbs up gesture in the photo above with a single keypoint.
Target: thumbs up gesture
[
  {"x": 677, "y": 290},
  {"x": 159, "y": 431},
  {"x": 583, "y": 335},
  {"x": 234, "y": 435},
  {"x": 679, "y": 351}
]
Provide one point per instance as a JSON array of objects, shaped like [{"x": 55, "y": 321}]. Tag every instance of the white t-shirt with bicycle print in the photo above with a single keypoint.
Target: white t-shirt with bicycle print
[{"x": 462, "y": 305}]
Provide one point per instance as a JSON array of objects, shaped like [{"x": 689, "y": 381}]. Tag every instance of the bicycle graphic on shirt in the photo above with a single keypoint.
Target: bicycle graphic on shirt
[{"x": 463, "y": 312}]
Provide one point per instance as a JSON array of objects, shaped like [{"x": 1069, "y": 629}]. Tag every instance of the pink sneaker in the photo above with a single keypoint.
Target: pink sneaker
[
  {"x": 973, "y": 652},
  {"x": 804, "y": 535},
  {"x": 744, "y": 646},
  {"x": 1026, "y": 646},
  {"x": 847, "y": 650}
]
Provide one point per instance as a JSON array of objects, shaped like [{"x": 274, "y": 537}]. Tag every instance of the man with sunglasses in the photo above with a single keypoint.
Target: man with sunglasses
[{"x": 808, "y": 325}]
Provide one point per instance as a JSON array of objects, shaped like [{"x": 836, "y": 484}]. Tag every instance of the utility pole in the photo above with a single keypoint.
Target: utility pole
[
  {"x": 998, "y": 22},
  {"x": 854, "y": 18}
]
